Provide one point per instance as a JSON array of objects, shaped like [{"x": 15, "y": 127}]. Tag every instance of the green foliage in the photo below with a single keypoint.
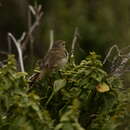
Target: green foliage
[
  {"x": 19, "y": 108},
  {"x": 74, "y": 98}
]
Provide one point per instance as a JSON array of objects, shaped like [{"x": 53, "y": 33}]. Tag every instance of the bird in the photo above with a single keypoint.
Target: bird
[{"x": 55, "y": 58}]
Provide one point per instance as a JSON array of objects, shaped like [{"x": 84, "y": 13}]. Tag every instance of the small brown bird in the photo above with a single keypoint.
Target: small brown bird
[{"x": 56, "y": 57}]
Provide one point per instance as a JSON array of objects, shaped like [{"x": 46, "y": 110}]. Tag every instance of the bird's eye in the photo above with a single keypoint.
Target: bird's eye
[{"x": 63, "y": 43}]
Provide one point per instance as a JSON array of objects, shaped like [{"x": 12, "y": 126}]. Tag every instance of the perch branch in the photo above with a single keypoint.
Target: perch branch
[{"x": 17, "y": 44}]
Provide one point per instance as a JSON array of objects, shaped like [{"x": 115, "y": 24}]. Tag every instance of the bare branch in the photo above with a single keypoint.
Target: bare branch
[
  {"x": 9, "y": 45},
  {"x": 17, "y": 44},
  {"x": 109, "y": 53},
  {"x": 31, "y": 37},
  {"x": 22, "y": 37},
  {"x": 38, "y": 13},
  {"x": 32, "y": 10},
  {"x": 51, "y": 39},
  {"x": 120, "y": 69},
  {"x": 119, "y": 61},
  {"x": 74, "y": 41},
  {"x": 39, "y": 8}
]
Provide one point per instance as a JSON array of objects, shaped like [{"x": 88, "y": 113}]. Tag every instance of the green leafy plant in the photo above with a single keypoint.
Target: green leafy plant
[
  {"x": 77, "y": 97},
  {"x": 19, "y": 108}
]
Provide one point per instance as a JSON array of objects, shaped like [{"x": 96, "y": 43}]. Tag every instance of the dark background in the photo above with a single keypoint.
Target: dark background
[{"x": 101, "y": 24}]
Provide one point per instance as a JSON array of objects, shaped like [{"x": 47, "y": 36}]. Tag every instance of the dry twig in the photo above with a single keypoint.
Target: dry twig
[
  {"x": 109, "y": 53},
  {"x": 121, "y": 67},
  {"x": 51, "y": 39},
  {"x": 37, "y": 13},
  {"x": 75, "y": 38},
  {"x": 18, "y": 46},
  {"x": 74, "y": 41},
  {"x": 119, "y": 61}
]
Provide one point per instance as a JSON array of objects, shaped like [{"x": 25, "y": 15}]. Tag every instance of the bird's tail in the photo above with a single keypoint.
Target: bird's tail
[
  {"x": 37, "y": 76},
  {"x": 33, "y": 78}
]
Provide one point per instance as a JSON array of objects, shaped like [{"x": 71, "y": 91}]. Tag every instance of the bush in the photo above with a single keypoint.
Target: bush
[{"x": 77, "y": 97}]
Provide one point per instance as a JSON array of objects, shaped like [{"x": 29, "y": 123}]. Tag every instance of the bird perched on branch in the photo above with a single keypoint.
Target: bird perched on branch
[{"x": 56, "y": 58}]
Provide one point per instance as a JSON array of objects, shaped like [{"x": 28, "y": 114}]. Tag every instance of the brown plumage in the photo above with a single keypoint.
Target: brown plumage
[{"x": 56, "y": 57}]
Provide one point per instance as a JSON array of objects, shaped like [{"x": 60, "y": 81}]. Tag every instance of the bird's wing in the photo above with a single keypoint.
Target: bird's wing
[{"x": 53, "y": 56}]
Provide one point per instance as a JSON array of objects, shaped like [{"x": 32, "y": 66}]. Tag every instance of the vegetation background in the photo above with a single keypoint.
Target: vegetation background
[{"x": 101, "y": 24}]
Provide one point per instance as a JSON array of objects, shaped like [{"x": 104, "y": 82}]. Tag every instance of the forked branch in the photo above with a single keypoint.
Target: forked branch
[
  {"x": 18, "y": 46},
  {"x": 37, "y": 13}
]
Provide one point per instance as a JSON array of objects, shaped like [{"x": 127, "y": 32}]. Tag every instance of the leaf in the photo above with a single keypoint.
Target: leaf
[
  {"x": 59, "y": 84},
  {"x": 20, "y": 74},
  {"x": 68, "y": 126},
  {"x": 97, "y": 76},
  {"x": 77, "y": 126},
  {"x": 20, "y": 123},
  {"x": 102, "y": 87},
  {"x": 59, "y": 126}
]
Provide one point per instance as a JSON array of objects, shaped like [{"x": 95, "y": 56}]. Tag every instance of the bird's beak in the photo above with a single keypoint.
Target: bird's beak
[{"x": 64, "y": 42}]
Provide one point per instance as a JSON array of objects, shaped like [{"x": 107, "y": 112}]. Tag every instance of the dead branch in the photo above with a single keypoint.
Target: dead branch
[
  {"x": 21, "y": 43},
  {"x": 9, "y": 45},
  {"x": 31, "y": 39},
  {"x": 109, "y": 53},
  {"x": 18, "y": 46},
  {"x": 74, "y": 41},
  {"x": 119, "y": 61},
  {"x": 37, "y": 13},
  {"x": 51, "y": 39},
  {"x": 121, "y": 67}
]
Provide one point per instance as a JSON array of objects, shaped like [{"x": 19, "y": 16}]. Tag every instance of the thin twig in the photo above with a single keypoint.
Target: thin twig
[
  {"x": 17, "y": 44},
  {"x": 74, "y": 41},
  {"x": 22, "y": 37},
  {"x": 38, "y": 13},
  {"x": 32, "y": 10},
  {"x": 51, "y": 38},
  {"x": 73, "y": 46},
  {"x": 9, "y": 45},
  {"x": 120, "y": 69},
  {"x": 109, "y": 53},
  {"x": 31, "y": 37}
]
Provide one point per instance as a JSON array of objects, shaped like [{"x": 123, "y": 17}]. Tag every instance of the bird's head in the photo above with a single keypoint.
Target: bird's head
[{"x": 59, "y": 44}]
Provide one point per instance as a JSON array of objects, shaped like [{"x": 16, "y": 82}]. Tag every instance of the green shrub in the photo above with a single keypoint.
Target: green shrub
[{"x": 77, "y": 97}]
